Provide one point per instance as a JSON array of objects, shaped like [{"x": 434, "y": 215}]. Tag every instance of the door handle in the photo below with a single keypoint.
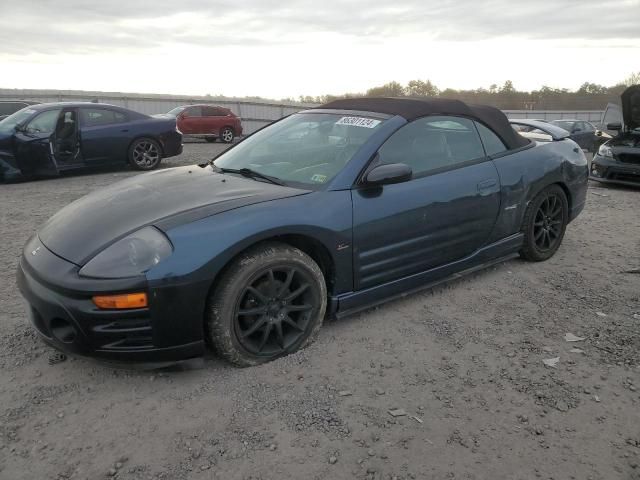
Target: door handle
[{"x": 486, "y": 185}]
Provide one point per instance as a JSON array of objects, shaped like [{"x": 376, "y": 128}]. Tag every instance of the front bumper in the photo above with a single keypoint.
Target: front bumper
[
  {"x": 172, "y": 144},
  {"x": 69, "y": 321},
  {"x": 610, "y": 170},
  {"x": 9, "y": 171}
]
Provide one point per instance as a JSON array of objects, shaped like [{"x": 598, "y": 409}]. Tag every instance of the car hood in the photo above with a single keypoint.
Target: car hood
[
  {"x": 631, "y": 107},
  {"x": 164, "y": 198}
]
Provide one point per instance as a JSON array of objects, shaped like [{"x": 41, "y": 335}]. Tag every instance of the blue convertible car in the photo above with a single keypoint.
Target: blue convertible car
[
  {"x": 48, "y": 138},
  {"x": 325, "y": 212}
]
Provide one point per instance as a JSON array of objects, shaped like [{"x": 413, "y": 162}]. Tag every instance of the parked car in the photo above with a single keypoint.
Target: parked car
[
  {"x": 48, "y": 138},
  {"x": 618, "y": 160},
  {"x": 9, "y": 107},
  {"x": 208, "y": 122},
  {"x": 538, "y": 130},
  {"x": 583, "y": 133},
  {"x": 325, "y": 212}
]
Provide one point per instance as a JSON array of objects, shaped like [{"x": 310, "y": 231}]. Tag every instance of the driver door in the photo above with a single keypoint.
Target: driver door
[
  {"x": 444, "y": 213},
  {"x": 34, "y": 148}
]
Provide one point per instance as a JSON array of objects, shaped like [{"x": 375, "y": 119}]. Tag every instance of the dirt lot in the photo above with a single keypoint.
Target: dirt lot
[{"x": 464, "y": 361}]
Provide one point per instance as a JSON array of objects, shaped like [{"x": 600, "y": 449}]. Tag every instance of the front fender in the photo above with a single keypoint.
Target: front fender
[{"x": 204, "y": 247}]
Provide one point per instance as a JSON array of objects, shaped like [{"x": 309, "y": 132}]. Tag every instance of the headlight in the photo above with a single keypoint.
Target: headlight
[
  {"x": 605, "y": 151},
  {"x": 131, "y": 256}
]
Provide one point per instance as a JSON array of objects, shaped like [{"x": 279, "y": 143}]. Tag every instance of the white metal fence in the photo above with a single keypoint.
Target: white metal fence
[
  {"x": 593, "y": 116},
  {"x": 254, "y": 113}
]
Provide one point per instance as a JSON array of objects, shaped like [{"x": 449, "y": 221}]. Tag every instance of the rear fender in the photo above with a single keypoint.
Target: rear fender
[{"x": 524, "y": 174}]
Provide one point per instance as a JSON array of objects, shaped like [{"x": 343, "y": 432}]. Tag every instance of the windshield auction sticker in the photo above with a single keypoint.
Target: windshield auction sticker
[{"x": 358, "y": 122}]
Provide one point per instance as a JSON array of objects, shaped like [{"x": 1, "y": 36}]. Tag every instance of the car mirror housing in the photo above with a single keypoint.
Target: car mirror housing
[
  {"x": 614, "y": 126},
  {"x": 388, "y": 174}
]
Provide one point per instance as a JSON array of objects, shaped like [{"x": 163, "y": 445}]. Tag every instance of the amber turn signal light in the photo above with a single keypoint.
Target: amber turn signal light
[{"x": 124, "y": 301}]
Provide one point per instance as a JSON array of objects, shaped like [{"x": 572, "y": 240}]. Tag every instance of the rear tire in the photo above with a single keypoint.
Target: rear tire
[
  {"x": 145, "y": 154},
  {"x": 227, "y": 135},
  {"x": 270, "y": 302},
  {"x": 545, "y": 222}
]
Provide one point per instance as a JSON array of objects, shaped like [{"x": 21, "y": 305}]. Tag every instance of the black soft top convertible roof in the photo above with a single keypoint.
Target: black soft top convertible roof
[{"x": 412, "y": 108}]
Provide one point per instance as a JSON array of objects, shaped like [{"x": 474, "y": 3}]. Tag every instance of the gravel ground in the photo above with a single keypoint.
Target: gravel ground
[{"x": 463, "y": 361}]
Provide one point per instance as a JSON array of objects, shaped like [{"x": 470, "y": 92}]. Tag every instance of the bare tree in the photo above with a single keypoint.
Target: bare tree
[{"x": 633, "y": 79}]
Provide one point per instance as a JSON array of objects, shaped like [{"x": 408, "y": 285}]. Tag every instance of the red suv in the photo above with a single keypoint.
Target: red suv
[{"x": 207, "y": 121}]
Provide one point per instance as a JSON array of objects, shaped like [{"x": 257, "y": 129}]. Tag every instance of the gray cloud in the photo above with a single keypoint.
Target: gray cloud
[{"x": 75, "y": 26}]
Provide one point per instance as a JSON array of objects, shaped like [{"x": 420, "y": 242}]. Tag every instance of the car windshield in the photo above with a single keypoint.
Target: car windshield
[
  {"x": 568, "y": 126},
  {"x": 305, "y": 148},
  {"x": 176, "y": 111},
  {"x": 8, "y": 125}
]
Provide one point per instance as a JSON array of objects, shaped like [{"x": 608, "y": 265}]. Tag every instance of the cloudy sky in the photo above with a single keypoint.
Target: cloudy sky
[{"x": 289, "y": 48}]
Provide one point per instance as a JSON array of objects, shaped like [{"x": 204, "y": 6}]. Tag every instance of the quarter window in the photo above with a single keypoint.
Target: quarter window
[
  {"x": 93, "y": 117},
  {"x": 492, "y": 143},
  {"x": 433, "y": 143},
  {"x": 44, "y": 122}
]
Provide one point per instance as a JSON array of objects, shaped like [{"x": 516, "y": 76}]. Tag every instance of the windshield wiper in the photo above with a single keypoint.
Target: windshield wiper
[{"x": 247, "y": 172}]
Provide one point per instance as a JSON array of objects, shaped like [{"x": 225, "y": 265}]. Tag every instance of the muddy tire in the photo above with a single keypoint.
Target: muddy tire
[{"x": 269, "y": 302}]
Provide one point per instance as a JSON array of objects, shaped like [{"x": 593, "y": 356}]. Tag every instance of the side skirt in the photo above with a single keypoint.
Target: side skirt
[{"x": 352, "y": 302}]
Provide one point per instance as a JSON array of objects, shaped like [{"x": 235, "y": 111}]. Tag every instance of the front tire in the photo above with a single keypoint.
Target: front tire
[
  {"x": 210, "y": 139},
  {"x": 145, "y": 154},
  {"x": 270, "y": 302},
  {"x": 544, "y": 224}
]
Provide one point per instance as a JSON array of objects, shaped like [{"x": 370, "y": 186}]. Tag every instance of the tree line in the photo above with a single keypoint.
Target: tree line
[{"x": 590, "y": 96}]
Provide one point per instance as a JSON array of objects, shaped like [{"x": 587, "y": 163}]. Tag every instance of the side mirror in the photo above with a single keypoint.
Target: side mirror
[
  {"x": 388, "y": 174},
  {"x": 614, "y": 126}
]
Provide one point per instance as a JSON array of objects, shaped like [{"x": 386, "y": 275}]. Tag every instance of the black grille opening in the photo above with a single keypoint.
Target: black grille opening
[
  {"x": 63, "y": 330},
  {"x": 626, "y": 177},
  {"x": 629, "y": 158}
]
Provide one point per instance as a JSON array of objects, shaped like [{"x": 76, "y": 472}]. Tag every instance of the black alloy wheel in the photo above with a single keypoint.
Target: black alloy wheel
[
  {"x": 274, "y": 310},
  {"x": 268, "y": 303},
  {"x": 544, "y": 225},
  {"x": 547, "y": 225}
]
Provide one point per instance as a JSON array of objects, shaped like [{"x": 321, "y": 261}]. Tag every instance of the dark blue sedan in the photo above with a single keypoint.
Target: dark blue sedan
[
  {"x": 325, "y": 212},
  {"x": 49, "y": 138}
]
